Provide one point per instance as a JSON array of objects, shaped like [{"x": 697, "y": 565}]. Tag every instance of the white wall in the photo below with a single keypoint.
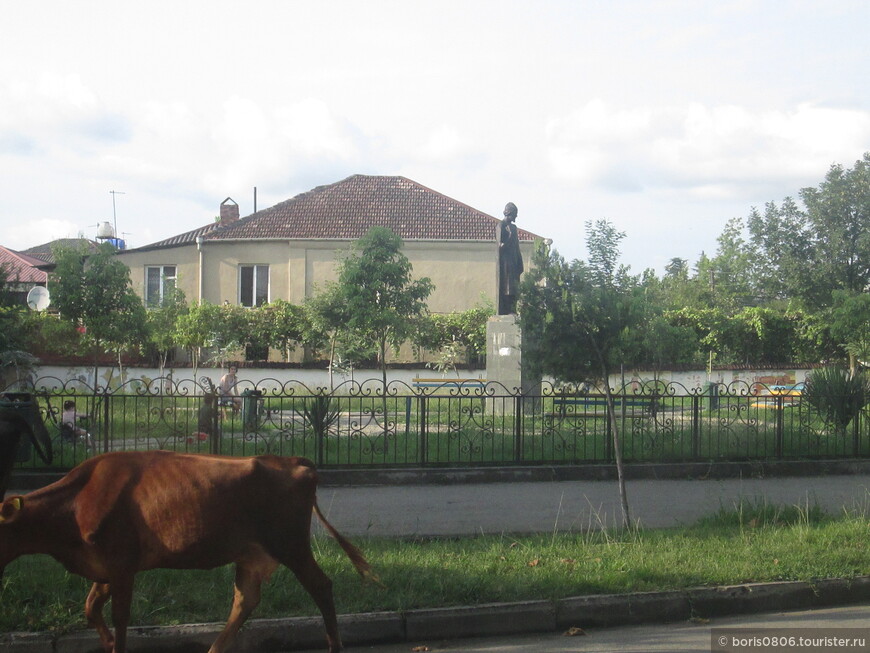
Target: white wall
[{"x": 271, "y": 378}]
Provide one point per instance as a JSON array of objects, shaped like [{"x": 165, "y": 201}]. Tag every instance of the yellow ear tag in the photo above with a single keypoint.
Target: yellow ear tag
[{"x": 15, "y": 502}]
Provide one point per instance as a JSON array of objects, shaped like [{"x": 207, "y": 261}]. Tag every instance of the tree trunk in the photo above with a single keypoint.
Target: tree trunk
[{"x": 617, "y": 454}]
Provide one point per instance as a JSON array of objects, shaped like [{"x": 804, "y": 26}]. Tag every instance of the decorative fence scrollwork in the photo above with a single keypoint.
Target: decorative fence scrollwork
[{"x": 451, "y": 423}]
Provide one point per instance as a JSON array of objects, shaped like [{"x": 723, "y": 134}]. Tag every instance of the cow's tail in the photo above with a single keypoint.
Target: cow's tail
[{"x": 356, "y": 556}]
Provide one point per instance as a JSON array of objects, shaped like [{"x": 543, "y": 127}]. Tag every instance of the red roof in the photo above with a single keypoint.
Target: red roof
[
  {"x": 347, "y": 209},
  {"x": 21, "y": 268}
]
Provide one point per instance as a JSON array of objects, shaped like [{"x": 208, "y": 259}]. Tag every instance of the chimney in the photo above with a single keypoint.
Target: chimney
[{"x": 229, "y": 211}]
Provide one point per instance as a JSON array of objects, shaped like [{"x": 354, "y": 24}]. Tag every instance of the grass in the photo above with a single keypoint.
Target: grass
[{"x": 754, "y": 543}]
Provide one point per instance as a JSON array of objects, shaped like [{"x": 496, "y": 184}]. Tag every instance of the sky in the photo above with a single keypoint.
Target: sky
[{"x": 665, "y": 118}]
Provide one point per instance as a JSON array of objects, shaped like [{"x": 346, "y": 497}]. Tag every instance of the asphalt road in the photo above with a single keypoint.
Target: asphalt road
[
  {"x": 524, "y": 507},
  {"x": 675, "y": 637}
]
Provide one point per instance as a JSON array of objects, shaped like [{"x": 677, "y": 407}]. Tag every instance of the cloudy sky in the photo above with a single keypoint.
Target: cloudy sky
[{"x": 667, "y": 117}]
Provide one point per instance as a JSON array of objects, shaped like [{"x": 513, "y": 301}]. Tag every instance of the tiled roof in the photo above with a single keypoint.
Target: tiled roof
[
  {"x": 21, "y": 267},
  {"x": 45, "y": 252},
  {"x": 187, "y": 238},
  {"x": 347, "y": 209}
]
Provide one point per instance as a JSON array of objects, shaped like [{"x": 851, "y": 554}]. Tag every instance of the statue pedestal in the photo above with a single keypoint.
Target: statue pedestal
[{"x": 504, "y": 363}]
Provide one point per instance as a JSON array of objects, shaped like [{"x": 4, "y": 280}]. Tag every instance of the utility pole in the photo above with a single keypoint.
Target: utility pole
[{"x": 114, "y": 215}]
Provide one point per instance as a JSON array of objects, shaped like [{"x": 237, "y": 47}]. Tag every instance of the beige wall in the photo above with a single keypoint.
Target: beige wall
[
  {"x": 464, "y": 273},
  {"x": 185, "y": 258}
]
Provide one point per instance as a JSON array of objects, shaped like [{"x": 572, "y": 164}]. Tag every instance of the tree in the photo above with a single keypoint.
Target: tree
[
  {"x": 576, "y": 320},
  {"x": 325, "y": 321},
  {"x": 162, "y": 325},
  {"x": 457, "y": 337},
  {"x": 729, "y": 275},
  {"x": 378, "y": 296},
  {"x": 850, "y": 326},
  {"x": 806, "y": 253},
  {"x": 193, "y": 332},
  {"x": 283, "y": 325},
  {"x": 93, "y": 290}
]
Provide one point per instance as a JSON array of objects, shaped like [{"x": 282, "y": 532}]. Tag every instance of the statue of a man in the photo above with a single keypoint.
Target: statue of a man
[{"x": 510, "y": 262}]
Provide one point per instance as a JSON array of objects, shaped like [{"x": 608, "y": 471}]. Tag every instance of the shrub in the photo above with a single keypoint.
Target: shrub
[{"x": 837, "y": 396}]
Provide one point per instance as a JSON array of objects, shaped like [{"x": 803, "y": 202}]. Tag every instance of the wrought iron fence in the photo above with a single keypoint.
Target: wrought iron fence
[{"x": 456, "y": 423}]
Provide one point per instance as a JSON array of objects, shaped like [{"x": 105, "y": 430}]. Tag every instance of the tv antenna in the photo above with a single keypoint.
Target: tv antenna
[{"x": 114, "y": 215}]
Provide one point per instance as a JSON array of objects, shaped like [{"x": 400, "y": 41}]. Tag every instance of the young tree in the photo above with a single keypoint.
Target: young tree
[
  {"x": 458, "y": 336},
  {"x": 281, "y": 326},
  {"x": 576, "y": 319},
  {"x": 379, "y": 298},
  {"x": 162, "y": 325}
]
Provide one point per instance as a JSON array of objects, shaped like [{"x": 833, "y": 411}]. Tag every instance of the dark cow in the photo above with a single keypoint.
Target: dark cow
[
  {"x": 121, "y": 513},
  {"x": 20, "y": 417}
]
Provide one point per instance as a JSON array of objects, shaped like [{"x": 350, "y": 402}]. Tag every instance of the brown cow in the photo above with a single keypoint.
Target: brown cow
[{"x": 121, "y": 513}]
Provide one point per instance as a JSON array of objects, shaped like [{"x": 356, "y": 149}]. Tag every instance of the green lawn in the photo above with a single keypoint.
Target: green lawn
[{"x": 753, "y": 544}]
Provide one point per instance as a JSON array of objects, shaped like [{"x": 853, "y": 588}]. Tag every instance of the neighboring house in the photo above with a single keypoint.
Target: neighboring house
[
  {"x": 46, "y": 250},
  {"x": 288, "y": 250},
  {"x": 22, "y": 273}
]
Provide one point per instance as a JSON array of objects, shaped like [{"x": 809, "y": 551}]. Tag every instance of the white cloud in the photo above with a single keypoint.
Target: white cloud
[
  {"x": 700, "y": 148},
  {"x": 443, "y": 143}
]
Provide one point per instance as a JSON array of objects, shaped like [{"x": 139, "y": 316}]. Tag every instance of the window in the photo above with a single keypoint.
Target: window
[
  {"x": 159, "y": 280},
  {"x": 253, "y": 285}
]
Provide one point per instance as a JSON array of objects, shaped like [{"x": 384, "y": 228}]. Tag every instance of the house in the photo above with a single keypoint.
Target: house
[
  {"x": 288, "y": 250},
  {"x": 22, "y": 273}
]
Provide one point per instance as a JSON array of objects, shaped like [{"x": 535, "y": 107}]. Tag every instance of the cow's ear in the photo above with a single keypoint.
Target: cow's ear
[{"x": 10, "y": 508}]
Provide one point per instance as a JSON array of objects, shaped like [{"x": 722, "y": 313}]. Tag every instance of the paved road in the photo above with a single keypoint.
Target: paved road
[
  {"x": 522, "y": 507},
  {"x": 668, "y": 638}
]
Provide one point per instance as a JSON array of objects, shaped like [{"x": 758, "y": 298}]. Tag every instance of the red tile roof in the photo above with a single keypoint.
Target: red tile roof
[
  {"x": 347, "y": 209},
  {"x": 21, "y": 268}
]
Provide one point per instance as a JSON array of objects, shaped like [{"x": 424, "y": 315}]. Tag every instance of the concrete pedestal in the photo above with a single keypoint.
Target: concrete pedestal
[{"x": 504, "y": 361}]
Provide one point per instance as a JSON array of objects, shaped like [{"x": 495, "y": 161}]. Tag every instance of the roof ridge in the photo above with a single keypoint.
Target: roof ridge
[{"x": 346, "y": 209}]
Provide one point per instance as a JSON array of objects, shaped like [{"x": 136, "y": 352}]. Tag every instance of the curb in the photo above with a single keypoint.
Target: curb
[
  {"x": 26, "y": 480},
  {"x": 436, "y": 624}
]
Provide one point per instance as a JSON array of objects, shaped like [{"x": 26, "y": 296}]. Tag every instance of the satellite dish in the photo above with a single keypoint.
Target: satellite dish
[{"x": 38, "y": 298}]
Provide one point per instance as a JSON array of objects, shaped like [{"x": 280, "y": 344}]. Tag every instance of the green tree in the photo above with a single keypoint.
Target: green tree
[
  {"x": 380, "y": 299},
  {"x": 283, "y": 325},
  {"x": 162, "y": 325},
  {"x": 457, "y": 337},
  {"x": 807, "y": 253},
  {"x": 324, "y": 324},
  {"x": 220, "y": 328},
  {"x": 577, "y": 320},
  {"x": 193, "y": 333},
  {"x": 93, "y": 290},
  {"x": 850, "y": 326},
  {"x": 730, "y": 274}
]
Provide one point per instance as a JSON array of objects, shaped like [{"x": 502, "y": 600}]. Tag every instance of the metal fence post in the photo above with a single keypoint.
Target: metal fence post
[
  {"x": 779, "y": 421},
  {"x": 696, "y": 426},
  {"x": 422, "y": 422},
  {"x": 106, "y": 415}
]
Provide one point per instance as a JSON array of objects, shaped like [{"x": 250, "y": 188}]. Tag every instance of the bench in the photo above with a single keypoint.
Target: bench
[
  {"x": 448, "y": 383},
  {"x": 596, "y": 406}
]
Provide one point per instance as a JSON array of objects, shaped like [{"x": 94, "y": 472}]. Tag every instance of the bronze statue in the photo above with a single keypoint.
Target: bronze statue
[{"x": 510, "y": 262}]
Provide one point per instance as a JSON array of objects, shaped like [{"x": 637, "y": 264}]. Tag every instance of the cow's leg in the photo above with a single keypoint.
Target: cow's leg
[
  {"x": 246, "y": 597},
  {"x": 319, "y": 586},
  {"x": 122, "y": 597},
  {"x": 97, "y": 597}
]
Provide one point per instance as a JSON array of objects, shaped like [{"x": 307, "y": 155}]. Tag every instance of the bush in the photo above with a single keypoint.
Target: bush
[{"x": 836, "y": 395}]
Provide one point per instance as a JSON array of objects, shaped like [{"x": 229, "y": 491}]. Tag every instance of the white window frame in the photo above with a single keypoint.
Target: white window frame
[
  {"x": 256, "y": 271},
  {"x": 154, "y": 302}
]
